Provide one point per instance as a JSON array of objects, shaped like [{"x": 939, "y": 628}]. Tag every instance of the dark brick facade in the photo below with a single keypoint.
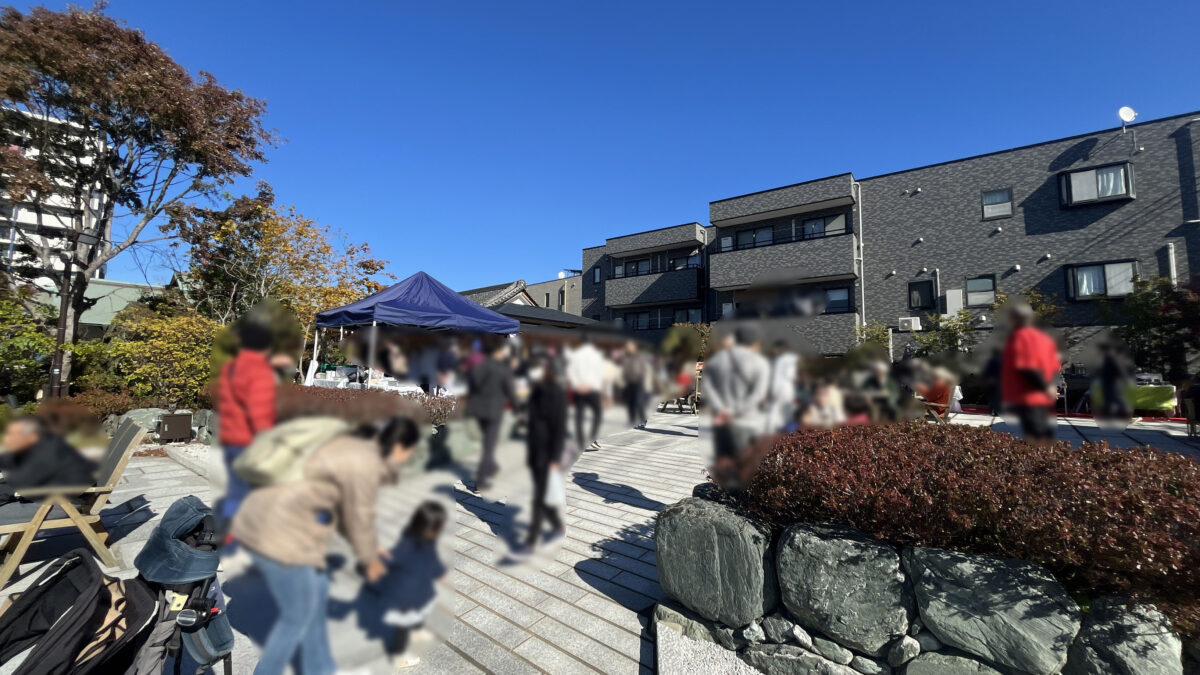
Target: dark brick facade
[{"x": 928, "y": 224}]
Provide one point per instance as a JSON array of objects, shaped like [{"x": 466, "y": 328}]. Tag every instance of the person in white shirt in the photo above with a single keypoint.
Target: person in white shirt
[{"x": 587, "y": 374}]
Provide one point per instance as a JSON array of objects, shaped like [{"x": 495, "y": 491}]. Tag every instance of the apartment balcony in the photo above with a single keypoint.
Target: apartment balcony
[
  {"x": 781, "y": 264},
  {"x": 673, "y": 286}
]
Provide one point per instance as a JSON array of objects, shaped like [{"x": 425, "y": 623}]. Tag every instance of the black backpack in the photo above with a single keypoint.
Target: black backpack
[{"x": 74, "y": 620}]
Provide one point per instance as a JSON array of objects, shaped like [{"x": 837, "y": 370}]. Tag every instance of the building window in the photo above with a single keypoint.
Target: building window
[
  {"x": 1096, "y": 185},
  {"x": 762, "y": 236},
  {"x": 687, "y": 316},
  {"x": 1107, "y": 280},
  {"x": 920, "y": 295},
  {"x": 726, "y": 243},
  {"x": 547, "y": 305},
  {"x": 815, "y": 228},
  {"x": 837, "y": 300},
  {"x": 727, "y": 310},
  {"x": 637, "y": 320},
  {"x": 981, "y": 291},
  {"x": 596, "y": 274},
  {"x": 618, "y": 270},
  {"x": 561, "y": 299},
  {"x": 997, "y": 204}
]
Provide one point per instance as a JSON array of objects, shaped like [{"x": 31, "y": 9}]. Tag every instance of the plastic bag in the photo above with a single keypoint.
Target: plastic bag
[{"x": 556, "y": 491}]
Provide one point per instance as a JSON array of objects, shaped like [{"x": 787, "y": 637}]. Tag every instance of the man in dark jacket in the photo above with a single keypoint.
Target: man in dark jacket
[
  {"x": 489, "y": 388},
  {"x": 33, "y": 457}
]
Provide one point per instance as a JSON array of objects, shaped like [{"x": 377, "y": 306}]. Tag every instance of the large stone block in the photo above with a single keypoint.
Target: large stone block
[
  {"x": 1008, "y": 612},
  {"x": 845, "y": 585},
  {"x": 715, "y": 562},
  {"x": 789, "y": 660},
  {"x": 146, "y": 418},
  {"x": 936, "y": 663},
  {"x": 1117, "y": 638}
]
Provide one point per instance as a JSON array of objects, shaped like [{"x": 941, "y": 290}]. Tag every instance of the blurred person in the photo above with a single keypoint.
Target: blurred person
[
  {"x": 782, "y": 393},
  {"x": 34, "y": 457},
  {"x": 543, "y": 453},
  {"x": 445, "y": 370},
  {"x": 489, "y": 388},
  {"x": 408, "y": 590},
  {"x": 736, "y": 382},
  {"x": 882, "y": 390},
  {"x": 287, "y": 528},
  {"x": 634, "y": 370},
  {"x": 1114, "y": 382},
  {"x": 396, "y": 361},
  {"x": 858, "y": 409},
  {"x": 476, "y": 356},
  {"x": 1031, "y": 366},
  {"x": 826, "y": 409},
  {"x": 586, "y": 373},
  {"x": 245, "y": 407},
  {"x": 938, "y": 391},
  {"x": 991, "y": 380}
]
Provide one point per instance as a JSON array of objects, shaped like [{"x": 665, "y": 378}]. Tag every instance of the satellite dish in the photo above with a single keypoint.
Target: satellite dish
[
  {"x": 562, "y": 275},
  {"x": 1127, "y": 114}
]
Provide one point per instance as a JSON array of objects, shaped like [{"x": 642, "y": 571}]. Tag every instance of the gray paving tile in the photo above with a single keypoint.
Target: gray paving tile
[
  {"x": 549, "y": 659},
  {"x": 583, "y": 647},
  {"x": 495, "y": 627}
]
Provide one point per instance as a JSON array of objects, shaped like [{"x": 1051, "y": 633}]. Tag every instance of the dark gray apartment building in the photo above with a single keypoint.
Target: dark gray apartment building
[{"x": 1077, "y": 218}]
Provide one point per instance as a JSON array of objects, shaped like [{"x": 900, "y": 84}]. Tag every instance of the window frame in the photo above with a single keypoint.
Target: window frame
[
  {"x": 596, "y": 275},
  {"x": 1066, "y": 199},
  {"x": 849, "y": 307},
  {"x": 967, "y": 291},
  {"x": 1072, "y": 281},
  {"x": 932, "y": 296},
  {"x": 983, "y": 207}
]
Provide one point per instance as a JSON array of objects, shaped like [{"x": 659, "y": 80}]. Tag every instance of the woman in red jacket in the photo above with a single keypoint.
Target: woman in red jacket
[{"x": 245, "y": 406}]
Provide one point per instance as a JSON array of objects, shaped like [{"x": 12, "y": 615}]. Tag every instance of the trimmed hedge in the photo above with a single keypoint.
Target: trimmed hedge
[
  {"x": 1103, "y": 520},
  {"x": 359, "y": 406}
]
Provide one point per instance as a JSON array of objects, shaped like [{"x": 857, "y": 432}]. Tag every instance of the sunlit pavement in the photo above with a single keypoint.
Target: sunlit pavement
[{"x": 1169, "y": 436}]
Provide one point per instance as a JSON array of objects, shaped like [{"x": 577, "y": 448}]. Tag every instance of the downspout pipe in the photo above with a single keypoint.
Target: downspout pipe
[{"x": 862, "y": 272}]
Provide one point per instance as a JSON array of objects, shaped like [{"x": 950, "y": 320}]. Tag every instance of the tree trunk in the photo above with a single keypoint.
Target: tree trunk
[{"x": 75, "y": 310}]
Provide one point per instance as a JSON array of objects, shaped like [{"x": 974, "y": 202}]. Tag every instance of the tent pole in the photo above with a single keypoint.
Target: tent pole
[
  {"x": 371, "y": 355},
  {"x": 315, "y": 363}
]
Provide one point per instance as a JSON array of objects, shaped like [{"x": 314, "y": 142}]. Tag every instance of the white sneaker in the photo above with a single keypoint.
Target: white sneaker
[{"x": 405, "y": 661}]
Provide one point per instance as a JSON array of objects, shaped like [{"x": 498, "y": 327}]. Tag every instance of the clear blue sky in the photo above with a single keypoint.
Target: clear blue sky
[{"x": 488, "y": 141}]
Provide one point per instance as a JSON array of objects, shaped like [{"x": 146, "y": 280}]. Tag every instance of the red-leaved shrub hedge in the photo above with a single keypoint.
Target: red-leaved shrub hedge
[
  {"x": 358, "y": 405},
  {"x": 1103, "y": 520}
]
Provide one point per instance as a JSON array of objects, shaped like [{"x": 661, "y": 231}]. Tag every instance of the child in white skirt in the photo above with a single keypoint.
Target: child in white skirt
[{"x": 408, "y": 589}]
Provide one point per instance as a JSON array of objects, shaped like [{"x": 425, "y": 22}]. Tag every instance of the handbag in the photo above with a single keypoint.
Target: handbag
[{"x": 556, "y": 491}]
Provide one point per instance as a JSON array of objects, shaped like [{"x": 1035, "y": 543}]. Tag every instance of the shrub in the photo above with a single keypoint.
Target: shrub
[
  {"x": 357, "y": 406},
  {"x": 1102, "y": 520},
  {"x": 63, "y": 415},
  {"x": 104, "y": 403}
]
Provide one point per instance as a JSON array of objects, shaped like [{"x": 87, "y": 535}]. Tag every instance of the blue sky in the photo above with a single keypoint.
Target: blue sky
[{"x": 488, "y": 141}]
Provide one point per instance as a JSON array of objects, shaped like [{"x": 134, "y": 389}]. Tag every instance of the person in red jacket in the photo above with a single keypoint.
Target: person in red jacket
[
  {"x": 1028, "y": 375},
  {"x": 245, "y": 405}
]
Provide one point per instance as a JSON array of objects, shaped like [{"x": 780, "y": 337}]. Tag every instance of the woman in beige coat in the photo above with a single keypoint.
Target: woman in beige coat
[{"x": 286, "y": 529}]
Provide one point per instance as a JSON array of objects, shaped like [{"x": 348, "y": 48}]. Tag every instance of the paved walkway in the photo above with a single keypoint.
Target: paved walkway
[
  {"x": 579, "y": 608},
  {"x": 1169, "y": 436}
]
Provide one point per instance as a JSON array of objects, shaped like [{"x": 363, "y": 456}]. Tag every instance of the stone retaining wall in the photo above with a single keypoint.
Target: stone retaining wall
[{"x": 832, "y": 601}]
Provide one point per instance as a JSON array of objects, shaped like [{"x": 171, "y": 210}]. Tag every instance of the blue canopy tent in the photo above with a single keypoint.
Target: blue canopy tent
[{"x": 419, "y": 301}]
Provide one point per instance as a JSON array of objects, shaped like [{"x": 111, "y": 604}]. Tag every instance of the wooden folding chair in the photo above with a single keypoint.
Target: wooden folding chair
[
  {"x": 940, "y": 412},
  {"x": 58, "y": 508}
]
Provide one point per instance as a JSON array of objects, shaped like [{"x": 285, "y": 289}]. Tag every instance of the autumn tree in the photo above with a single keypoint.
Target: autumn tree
[
  {"x": 254, "y": 250},
  {"x": 102, "y": 125}
]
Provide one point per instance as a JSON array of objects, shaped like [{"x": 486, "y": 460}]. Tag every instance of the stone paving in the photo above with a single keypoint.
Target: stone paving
[{"x": 578, "y": 608}]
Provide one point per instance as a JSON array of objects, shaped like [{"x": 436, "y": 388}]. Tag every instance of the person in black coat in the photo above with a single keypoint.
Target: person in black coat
[
  {"x": 489, "y": 388},
  {"x": 33, "y": 457},
  {"x": 544, "y": 450}
]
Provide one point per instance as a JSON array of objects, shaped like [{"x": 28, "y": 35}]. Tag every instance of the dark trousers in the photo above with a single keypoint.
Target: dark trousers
[
  {"x": 635, "y": 402},
  {"x": 540, "y": 510},
  {"x": 1037, "y": 422},
  {"x": 490, "y": 427},
  {"x": 589, "y": 400}
]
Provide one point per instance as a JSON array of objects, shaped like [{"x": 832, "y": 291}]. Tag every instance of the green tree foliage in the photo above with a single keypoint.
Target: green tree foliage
[
  {"x": 686, "y": 342},
  {"x": 160, "y": 356},
  {"x": 26, "y": 345},
  {"x": 948, "y": 334},
  {"x": 103, "y": 121},
  {"x": 1160, "y": 324}
]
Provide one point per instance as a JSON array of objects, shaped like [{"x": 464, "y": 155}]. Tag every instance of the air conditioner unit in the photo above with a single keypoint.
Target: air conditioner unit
[{"x": 910, "y": 323}]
